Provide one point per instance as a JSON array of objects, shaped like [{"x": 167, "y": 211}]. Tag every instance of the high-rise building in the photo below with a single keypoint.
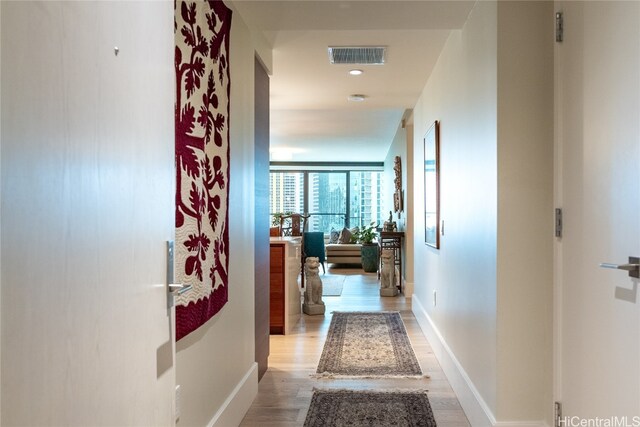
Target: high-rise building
[
  {"x": 327, "y": 200},
  {"x": 286, "y": 192},
  {"x": 327, "y": 197},
  {"x": 366, "y": 203}
]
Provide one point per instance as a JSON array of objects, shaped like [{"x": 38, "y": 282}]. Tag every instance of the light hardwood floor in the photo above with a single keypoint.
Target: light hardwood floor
[{"x": 284, "y": 393}]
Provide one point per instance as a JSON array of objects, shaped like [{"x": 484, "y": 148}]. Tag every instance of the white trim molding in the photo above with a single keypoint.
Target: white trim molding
[
  {"x": 474, "y": 406},
  {"x": 238, "y": 402},
  {"x": 407, "y": 289}
]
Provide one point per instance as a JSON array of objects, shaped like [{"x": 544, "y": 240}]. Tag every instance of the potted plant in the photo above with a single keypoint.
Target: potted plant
[
  {"x": 275, "y": 218},
  {"x": 369, "y": 249}
]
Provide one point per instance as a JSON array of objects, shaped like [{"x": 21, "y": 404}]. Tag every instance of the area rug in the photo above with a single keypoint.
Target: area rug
[
  {"x": 367, "y": 344},
  {"x": 333, "y": 408},
  {"x": 332, "y": 285}
]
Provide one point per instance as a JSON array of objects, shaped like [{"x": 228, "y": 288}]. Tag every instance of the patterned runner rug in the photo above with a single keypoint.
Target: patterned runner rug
[
  {"x": 333, "y": 408},
  {"x": 368, "y": 344}
]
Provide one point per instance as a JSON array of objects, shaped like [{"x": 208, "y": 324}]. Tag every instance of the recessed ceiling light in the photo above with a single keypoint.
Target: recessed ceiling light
[
  {"x": 355, "y": 72},
  {"x": 356, "y": 97}
]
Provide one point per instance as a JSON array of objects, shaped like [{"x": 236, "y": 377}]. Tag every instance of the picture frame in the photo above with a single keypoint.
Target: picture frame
[{"x": 432, "y": 186}]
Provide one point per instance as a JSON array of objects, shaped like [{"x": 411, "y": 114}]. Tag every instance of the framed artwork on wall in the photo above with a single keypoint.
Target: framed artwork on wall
[{"x": 432, "y": 186}]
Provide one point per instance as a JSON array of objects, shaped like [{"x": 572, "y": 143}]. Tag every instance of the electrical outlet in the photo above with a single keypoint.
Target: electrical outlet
[
  {"x": 178, "y": 397},
  {"x": 435, "y": 298}
]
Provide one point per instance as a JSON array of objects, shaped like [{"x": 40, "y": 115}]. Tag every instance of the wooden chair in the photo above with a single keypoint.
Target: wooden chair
[{"x": 293, "y": 225}]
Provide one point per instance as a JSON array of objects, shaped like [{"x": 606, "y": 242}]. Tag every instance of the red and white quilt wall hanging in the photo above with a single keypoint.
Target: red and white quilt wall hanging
[{"x": 202, "y": 31}]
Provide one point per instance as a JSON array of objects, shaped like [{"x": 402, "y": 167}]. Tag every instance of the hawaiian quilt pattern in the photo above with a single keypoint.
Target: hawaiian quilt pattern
[{"x": 201, "y": 31}]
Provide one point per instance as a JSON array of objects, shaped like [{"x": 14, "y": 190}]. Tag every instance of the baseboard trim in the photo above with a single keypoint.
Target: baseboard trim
[
  {"x": 474, "y": 406},
  {"x": 470, "y": 399},
  {"x": 408, "y": 289},
  {"x": 238, "y": 402}
]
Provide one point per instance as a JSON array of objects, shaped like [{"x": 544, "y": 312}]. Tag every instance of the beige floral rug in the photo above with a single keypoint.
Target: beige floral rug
[
  {"x": 333, "y": 408},
  {"x": 368, "y": 344}
]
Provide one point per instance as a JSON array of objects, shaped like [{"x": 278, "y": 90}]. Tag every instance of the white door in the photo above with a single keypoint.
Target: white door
[
  {"x": 87, "y": 205},
  {"x": 598, "y": 187}
]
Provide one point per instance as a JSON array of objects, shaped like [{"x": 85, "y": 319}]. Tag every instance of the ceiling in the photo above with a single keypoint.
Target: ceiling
[{"x": 311, "y": 118}]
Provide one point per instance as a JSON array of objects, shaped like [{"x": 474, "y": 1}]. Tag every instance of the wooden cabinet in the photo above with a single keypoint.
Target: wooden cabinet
[
  {"x": 284, "y": 294},
  {"x": 276, "y": 290}
]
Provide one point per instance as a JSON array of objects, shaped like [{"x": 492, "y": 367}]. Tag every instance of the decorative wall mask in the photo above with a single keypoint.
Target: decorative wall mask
[{"x": 397, "y": 180}]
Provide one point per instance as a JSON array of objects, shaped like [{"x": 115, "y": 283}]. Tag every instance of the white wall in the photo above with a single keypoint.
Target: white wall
[
  {"x": 0, "y": 218},
  {"x": 87, "y": 205},
  {"x": 492, "y": 90},
  {"x": 216, "y": 367},
  {"x": 525, "y": 210},
  {"x": 409, "y": 204},
  {"x": 398, "y": 147},
  {"x": 462, "y": 94}
]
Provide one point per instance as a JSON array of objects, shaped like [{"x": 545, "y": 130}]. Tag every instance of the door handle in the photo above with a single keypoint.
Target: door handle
[
  {"x": 178, "y": 288},
  {"x": 173, "y": 289},
  {"x": 633, "y": 267}
]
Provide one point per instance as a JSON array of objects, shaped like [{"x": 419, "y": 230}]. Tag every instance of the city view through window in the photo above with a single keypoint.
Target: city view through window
[{"x": 334, "y": 199}]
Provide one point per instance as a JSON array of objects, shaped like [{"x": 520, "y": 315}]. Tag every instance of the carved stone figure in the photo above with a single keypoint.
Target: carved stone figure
[
  {"x": 390, "y": 224},
  {"x": 387, "y": 274},
  {"x": 313, "y": 303},
  {"x": 397, "y": 169},
  {"x": 397, "y": 180}
]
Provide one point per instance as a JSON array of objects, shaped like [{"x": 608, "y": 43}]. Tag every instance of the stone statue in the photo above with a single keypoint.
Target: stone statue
[
  {"x": 390, "y": 224},
  {"x": 387, "y": 275},
  {"x": 313, "y": 303}
]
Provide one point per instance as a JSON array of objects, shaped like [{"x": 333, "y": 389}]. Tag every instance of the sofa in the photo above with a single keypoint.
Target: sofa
[
  {"x": 343, "y": 253},
  {"x": 339, "y": 249}
]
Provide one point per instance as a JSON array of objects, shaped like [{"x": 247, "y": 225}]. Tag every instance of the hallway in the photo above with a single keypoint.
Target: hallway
[{"x": 285, "y": 390}]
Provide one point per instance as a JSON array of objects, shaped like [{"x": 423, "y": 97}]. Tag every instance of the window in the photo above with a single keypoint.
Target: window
[
  {"x": 286, "y": 192},
  {"x": 327, "y": 200},
  {"x": 366, "y": 198},
  {"x": 335, "y": 199}
]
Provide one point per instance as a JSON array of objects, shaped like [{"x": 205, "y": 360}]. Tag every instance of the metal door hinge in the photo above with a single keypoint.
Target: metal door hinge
[
  {"x": 557, "y": 414},
  {"x": 559, "y": 27},
  {"x": 558, "y": 222}
]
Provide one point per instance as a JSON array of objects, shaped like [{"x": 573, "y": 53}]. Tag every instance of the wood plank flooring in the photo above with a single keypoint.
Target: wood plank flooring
[{"x": 284, "y": 393}]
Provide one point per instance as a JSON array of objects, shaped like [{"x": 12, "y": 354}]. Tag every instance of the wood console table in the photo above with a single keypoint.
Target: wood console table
[
  {"x": 284, "y": 294},
  {"x": 391, "y": 240}
]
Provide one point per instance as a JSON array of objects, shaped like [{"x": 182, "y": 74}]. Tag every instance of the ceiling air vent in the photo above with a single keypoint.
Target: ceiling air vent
[{"x": 357, "y": 55}]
